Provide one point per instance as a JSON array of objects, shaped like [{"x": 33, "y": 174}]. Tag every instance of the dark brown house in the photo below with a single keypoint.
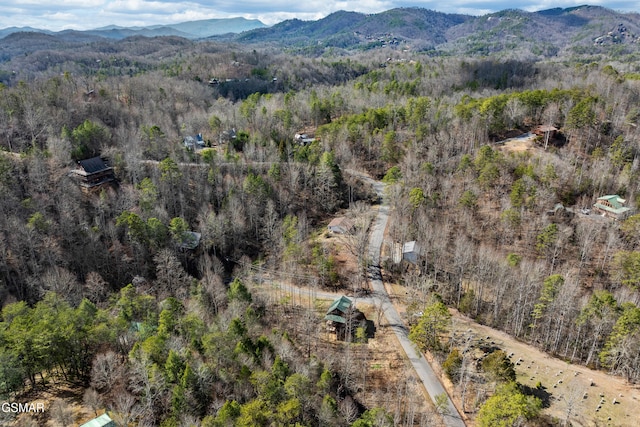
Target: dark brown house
[{"x": 93, "y": 172}]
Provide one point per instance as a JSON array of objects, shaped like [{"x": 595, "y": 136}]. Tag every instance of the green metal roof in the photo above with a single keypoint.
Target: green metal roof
[
  {"x": 612, "y": 210},
  {"x": 617, "y": 204},
  {"x": 102, "y": 421},
  {"x": 615, "y": 200},
  {"x": 342, "y": 304},
  {"x": 334, "y": 318}
]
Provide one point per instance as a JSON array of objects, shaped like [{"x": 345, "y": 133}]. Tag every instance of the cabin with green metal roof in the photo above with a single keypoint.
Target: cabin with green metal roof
[
  {"x": 339, "y": 307},
  {"x": 612, "y": 206},
  {"x": 343, "y": 318},
  {"x": 102, "y": 421}
]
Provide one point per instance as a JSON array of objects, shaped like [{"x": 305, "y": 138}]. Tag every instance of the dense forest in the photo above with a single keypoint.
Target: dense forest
[{"x": 99, "y": 290}]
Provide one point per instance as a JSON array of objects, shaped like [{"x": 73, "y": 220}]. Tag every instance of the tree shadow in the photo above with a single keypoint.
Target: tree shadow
[
  {"x": 541, "y": 393},
  {"x": 370, "y": 329}
]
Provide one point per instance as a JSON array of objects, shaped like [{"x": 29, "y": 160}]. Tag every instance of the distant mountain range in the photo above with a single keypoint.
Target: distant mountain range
[
  {"x": 546, "y": 33},
  {"x": 581, "y": 29},
  {"x": 190, "y": 30}
]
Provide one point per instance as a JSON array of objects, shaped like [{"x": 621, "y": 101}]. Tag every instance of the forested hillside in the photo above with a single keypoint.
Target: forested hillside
[
  {"x": 104, "y": 290},
  {"x": 570, "y": 33}
]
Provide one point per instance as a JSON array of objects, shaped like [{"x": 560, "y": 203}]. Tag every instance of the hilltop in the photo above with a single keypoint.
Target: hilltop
[{"x": 357, "y": 30}]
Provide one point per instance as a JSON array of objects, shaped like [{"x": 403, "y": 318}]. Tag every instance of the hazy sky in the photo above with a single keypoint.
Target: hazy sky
[{"x": 85, "y": 14}]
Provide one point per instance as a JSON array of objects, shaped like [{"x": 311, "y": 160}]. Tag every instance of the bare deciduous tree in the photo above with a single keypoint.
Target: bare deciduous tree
[
  {"x": 106, "y": 371},
  {"x": 125, "y": 409},
  {"x": 171, "y": 277},
  {"x": 96, "y": 289},
  {"x": 62, "y": 282},
  {"x": 61, "y": 413},
  {"x": 92, "y": 399}
]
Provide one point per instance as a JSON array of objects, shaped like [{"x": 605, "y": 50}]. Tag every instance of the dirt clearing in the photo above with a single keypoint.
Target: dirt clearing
[
  {"x": 584, "y": 395},
  {"x": 518, "y": 144}
]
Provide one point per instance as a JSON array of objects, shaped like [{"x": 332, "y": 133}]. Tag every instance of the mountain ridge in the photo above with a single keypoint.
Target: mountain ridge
[
  {"x": 579, "y": 29},
  {"x": 190, "y": 29},
  {"x": 582, "y": 29}
]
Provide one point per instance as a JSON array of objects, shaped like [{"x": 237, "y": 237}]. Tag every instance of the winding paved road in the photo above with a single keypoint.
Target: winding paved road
[
  {"x": 422, "y": 367},
  {"x": 380, "y": 297}
]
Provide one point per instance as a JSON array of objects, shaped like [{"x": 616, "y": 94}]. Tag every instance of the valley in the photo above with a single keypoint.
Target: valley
[{"x": 407, "y": 218}]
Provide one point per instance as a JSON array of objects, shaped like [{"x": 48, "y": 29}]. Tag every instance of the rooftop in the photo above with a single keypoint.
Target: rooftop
[
  {"x": 335, "y": 318},
  {"x": 102, "y": 421},
  {"x": 411, "y": 246},
  {"x": 341, "y": 221},
  {"x": 612, "y": 203},
  {"x": 93, "y": 165},
  {"x": 615, "y": 200},
  {"x": 342, "y": 304}
]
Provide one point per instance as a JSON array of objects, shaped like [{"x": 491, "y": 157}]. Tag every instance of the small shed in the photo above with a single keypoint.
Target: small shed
[
  {"x": 411, "y": 252},
  {"x": 93, "y": 172},
  {"x": 560, "y": 213},
  {"x": 340, "y": 225},
  {"x": 612, "y": 206},
  {"x": 102, "y": 421}
]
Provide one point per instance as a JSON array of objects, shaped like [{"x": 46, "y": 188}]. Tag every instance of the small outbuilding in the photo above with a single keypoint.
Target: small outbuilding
[
  {"x": 612, "y": 206},
  {"x": 102, "y": 421},
  {"x": 303, "y": 139},
  {"x": 560, "y": 213},
  {"x": 411, "y": 252},
  {"x": 340, "y": 225},
  {"x": 227, "y": 136}
]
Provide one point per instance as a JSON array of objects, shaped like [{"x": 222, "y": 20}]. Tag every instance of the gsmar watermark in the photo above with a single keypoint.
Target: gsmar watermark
[{"x": 19, "y": 408}]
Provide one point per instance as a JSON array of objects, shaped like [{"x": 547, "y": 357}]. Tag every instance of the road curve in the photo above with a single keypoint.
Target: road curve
[{"x": 422, "y": 367}]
